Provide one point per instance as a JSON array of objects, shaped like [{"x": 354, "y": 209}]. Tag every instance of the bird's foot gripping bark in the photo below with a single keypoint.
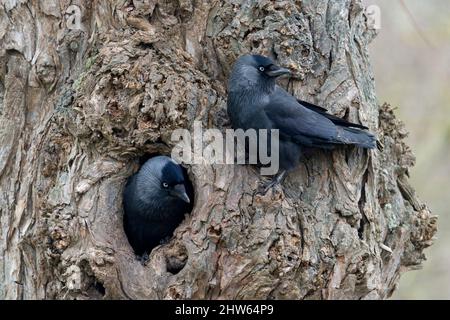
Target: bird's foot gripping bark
[{"x": 276, "y": 180}]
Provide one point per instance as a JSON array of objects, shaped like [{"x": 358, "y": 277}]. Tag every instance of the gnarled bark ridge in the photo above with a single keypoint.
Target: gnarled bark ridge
[{"x": 80, "y": 104}]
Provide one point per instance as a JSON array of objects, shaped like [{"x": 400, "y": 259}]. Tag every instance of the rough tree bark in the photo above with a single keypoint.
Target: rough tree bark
[{"x": 79, "y": 107}]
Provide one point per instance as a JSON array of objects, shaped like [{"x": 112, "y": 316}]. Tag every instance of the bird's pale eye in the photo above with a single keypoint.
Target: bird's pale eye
[
  {"x": 261, "y": 68},
  {"x": 165, "y": 185}
]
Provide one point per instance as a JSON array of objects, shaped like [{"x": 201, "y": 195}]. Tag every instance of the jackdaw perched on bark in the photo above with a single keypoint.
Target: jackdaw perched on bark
[
  {"x": 255, "y": 101},
  {"x": 155, "y": 200}
]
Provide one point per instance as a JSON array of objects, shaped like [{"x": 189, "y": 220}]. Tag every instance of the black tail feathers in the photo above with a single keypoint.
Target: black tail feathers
[{"x": 357, "y": 137}]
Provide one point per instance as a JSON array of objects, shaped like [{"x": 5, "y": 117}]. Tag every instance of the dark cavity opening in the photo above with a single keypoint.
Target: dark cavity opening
[
  {"x": 145, "y": 46},
  {"x": 120, "y": 133},
  {"x": 176, "y": 258},
  {"x": 361, "y": 203},
  {"x": 93, "y": 286},
  {"x": 98, "y": 286}
]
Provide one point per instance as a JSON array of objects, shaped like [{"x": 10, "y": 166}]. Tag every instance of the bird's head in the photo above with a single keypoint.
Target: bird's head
[
  {"x": 253, "y": 70},
  {"x": 163, "y": 177}
]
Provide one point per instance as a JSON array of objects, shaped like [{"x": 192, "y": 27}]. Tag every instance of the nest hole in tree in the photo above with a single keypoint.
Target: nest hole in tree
[
  {"x": 176, "y": 258},
  {"x": 91, "y": 284},
  {"x": 98, "y": 286}
]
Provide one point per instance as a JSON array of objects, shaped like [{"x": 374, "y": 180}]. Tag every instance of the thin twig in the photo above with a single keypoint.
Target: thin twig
[{"x": 415, "y": 24}]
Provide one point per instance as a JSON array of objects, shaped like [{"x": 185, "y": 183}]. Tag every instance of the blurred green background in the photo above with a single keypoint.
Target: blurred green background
[{"x": 411, "y": 61}]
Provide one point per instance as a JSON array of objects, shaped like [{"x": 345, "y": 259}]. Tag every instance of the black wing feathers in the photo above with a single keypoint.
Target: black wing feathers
[
  {"x": 312, "y": 126},
  {"x": 334, "y": 119}
]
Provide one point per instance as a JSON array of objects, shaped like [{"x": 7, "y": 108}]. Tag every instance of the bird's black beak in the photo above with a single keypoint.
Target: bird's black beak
[
  {"x": 179, "y": 191},
  {"x": 276, "y": 71}
]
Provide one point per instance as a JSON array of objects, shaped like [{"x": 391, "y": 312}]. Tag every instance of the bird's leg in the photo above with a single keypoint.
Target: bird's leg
[{"x": 277, "y": 179}]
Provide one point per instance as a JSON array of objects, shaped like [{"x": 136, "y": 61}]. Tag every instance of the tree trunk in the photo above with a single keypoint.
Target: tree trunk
[{"x": 80, "y": 104}]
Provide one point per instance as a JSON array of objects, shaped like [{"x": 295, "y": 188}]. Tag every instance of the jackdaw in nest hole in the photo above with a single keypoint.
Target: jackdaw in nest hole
[{"x": 155, "y": 200}]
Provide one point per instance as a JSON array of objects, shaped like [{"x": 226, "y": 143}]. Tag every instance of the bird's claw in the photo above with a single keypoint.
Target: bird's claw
[
  {"x": 264, "y": 187},
  {"x": 277, "y": 180}
]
